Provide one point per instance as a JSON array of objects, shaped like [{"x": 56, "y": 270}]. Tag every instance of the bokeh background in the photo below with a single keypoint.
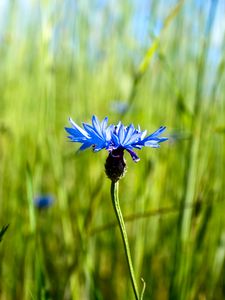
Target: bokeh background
[{"x": 150, "y": 63}]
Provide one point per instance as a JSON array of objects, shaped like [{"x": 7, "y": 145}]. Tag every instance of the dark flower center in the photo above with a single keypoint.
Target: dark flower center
[{"x": 115, "y": 166}]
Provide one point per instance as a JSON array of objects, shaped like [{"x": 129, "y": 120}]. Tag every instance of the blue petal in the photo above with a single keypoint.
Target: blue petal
[
  {"x": 152, "y": 140},
  {"x": 75, "y": 135},
  {"x": 158, "y": 132},
  {"x": 78, "y": 128},
  {"x": 117, "y": 127},
  {"x": 133, "y": 155},
  {"x": 133, "y": 139},
  {"x": 152, "y": 143},
  {"x": 121, "y": 134},
  {"x": 109, "y": 131},
  {"x": 96, "y": 125},
  {"x": 104, "y": 124},
  {"x": 91, "y": 131},
  {"x": 143, "y": 134},
  {"x": 130, "y": 130},
  {"x": 115, "y": 141},
  {"x": 85, "y": 146},
  {"x": 163, "y": 139}
]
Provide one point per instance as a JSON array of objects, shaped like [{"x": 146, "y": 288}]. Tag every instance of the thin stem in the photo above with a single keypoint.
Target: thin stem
[{"x": 116, "y": 206}]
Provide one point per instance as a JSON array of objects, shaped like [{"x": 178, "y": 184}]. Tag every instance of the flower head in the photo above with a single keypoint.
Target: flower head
[
  {"x": 119, "y": 106},
  {"x": 114, "y": 138},
  {"x": 43, "y": 201}
]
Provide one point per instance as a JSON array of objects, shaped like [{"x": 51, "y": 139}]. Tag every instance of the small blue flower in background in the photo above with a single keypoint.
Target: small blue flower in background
[
  {"x": 119, "y": 106},
  {"x": 114, "y": 138},
  {"x": 43, "y": 201}
]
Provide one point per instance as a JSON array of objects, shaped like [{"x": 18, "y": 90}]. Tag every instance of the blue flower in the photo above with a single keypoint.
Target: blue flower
[
  {"x": 119, "y": 106},
  {"x": 43, "y": 201},
  {"x": 113, "y": 137}
]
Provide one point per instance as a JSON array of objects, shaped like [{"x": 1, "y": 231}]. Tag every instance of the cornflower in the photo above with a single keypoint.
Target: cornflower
[{"x": 116, "y": 139}]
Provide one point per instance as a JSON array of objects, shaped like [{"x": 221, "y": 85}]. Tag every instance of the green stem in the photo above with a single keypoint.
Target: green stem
[{"x": 116, "y": 206}]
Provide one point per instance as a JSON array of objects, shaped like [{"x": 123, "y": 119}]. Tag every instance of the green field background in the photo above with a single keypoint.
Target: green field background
[{"x": 149, "y": 63}]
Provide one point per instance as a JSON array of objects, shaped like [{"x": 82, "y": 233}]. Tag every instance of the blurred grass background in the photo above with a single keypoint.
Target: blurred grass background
[{"x": 144, "y": 62}]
